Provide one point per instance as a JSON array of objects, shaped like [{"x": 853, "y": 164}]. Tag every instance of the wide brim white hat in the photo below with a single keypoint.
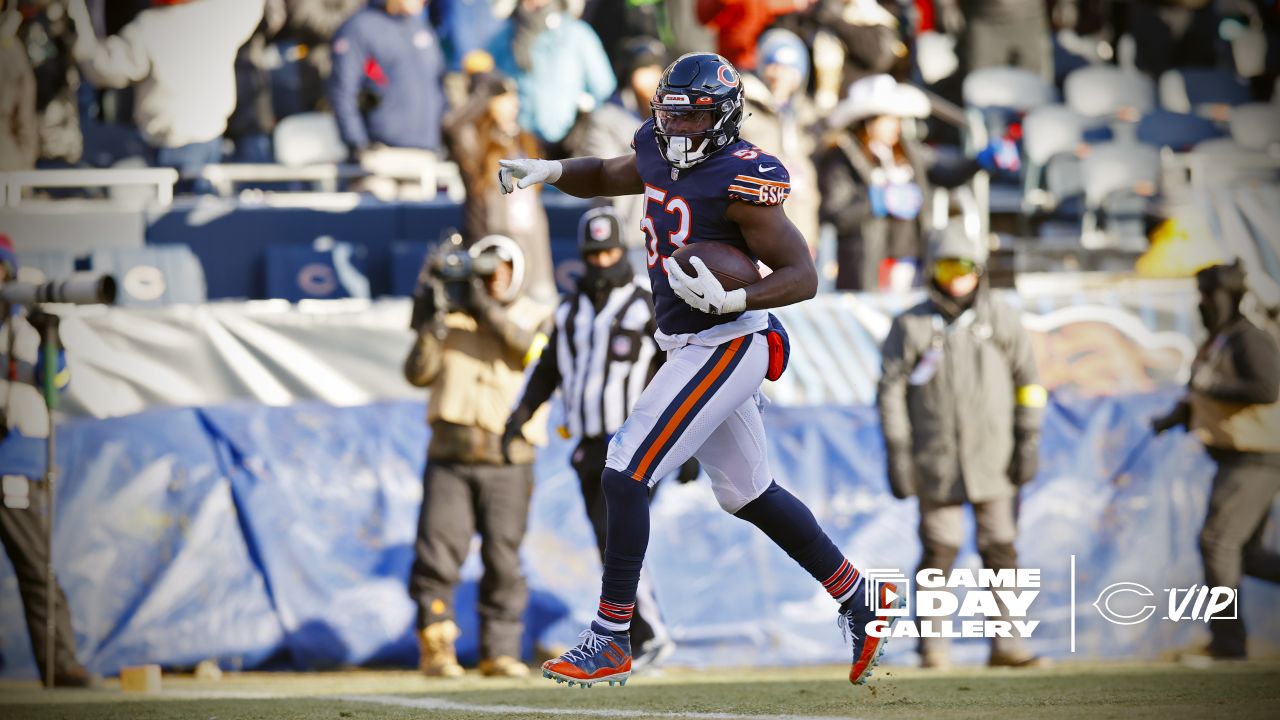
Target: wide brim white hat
[{"x": 877, "y": 95}]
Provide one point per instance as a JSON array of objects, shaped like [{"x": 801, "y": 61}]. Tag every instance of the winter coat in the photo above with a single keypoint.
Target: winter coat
[
  {"x": 182, "y": 60},
  {"x": 385, "y": 86},
  {"x": 949, "y": 396},
  {"x": 568, "y": 62}
]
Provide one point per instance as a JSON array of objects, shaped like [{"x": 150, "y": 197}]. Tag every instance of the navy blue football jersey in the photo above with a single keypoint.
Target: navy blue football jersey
[{"x": 688, "y": 206}]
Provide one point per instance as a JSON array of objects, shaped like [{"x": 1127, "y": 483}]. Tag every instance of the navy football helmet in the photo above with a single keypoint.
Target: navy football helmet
[{"x": 698, "y": 108}]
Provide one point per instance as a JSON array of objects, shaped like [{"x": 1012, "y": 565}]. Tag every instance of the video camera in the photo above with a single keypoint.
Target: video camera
[{"x": 445, "y": 282}]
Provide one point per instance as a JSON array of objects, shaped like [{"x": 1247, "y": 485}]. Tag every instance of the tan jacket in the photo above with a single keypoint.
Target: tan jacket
[{"x": 475, "y": 378}]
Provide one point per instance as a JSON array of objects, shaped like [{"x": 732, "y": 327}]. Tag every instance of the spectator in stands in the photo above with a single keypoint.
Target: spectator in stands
[
  {"x": 310, "y": 26},
  {"x": 1173, "y": 33},
  {"x": 1232, "y": 407},
  {"x": 686, "y": 33},
  {"x": 1002, "y": 32},
  {"x": 47, "y": 38},
  {"x": 781, "y": 118},
  {"x": 559, "y": 66},
  {"x": 876, "y": 179},
  {"x": 19, "y": 144},
  {"x": 961, "y": 407},
  {"x": 465, "y": 27},
  {"x": 478, "y": 134},
  {"x": 738, "y": 24},
  {"x": 387, "y": 95},
  {"x": 184, "y": 91},
  {"x": 23, "y": 527},
  {"x": 473, "y": 344},
  {"x": 250, "y": 125},
  {"x": 619, "y": 23},
  {"x": 860, "y": 38}
]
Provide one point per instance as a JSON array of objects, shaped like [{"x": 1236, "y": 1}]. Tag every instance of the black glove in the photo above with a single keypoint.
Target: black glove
[
  {"x": 1026, "y": 458},
  {"x": 902, "y": 474},
  {"x": 512, "y": 431},
  {"x": 1179, "y": 416},
  {"x": 689, "y": 471}
]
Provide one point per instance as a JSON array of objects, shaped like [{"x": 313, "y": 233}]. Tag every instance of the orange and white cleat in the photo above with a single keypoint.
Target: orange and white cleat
[
  {"x": 601, "y": 656},
  {"x": 855, "y": 615}
]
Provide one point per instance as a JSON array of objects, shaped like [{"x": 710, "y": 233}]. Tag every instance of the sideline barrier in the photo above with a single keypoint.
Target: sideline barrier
[{"x": 280, "y": 537}]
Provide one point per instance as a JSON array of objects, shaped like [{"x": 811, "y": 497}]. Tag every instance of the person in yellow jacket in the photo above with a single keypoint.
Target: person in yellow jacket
[
  {"x": 471, "y": 351},
  {"x": 1231, "y": 406}
]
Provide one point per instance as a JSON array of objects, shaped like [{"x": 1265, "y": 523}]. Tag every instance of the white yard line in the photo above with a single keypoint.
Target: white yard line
[{"x": 430, "y": 703}]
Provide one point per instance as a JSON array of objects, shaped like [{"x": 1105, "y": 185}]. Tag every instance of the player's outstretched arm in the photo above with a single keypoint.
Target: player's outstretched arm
[
  {"x": 584, "y": 177},
  {"x": 779, "y": 244}
]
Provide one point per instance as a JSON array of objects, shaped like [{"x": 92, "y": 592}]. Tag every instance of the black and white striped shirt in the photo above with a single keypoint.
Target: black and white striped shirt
[{"x": 599, "y": 359}]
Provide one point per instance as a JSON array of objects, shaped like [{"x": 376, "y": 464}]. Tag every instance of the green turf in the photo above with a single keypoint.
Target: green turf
[{"x": 1129, "y": 692}]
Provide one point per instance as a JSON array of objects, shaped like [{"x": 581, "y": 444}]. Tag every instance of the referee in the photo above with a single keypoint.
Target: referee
[{"x": 601, "y": 354}]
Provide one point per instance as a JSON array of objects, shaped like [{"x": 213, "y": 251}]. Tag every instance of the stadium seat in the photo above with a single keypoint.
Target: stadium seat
[
  {"x": 308, "y": 139},
  {"x": 153, "y": 276},
  {"x": 1111, "y": 173},
  {"x": 1256, "y": 126},
  {"x": 1049, "y": 132},
  {"x": 1189, "y": 90},
  {"x": 319, "y": 271},
  {"x": 1009, "y": 88},
  {"x": 1104, "y": 91},
  {"x": 1177, "y": 131}
]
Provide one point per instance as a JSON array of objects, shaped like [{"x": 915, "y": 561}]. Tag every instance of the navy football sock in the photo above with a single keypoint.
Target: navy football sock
[
  {"x": 791, "y": 526},
  {"x": 626, "y": 538}
]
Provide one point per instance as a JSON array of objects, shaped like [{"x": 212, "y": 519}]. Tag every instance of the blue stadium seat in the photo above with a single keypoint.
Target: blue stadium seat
[
  {"x": 153, "y": 276},
  {"x": 1189, "y": 90},
  {"x": 1177, "y": 131}
]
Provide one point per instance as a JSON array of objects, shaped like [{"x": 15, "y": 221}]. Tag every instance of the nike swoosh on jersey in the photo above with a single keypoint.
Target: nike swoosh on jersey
[{"x": 765, "y": 168}]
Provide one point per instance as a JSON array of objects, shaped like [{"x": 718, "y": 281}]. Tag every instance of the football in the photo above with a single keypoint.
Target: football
[{"x": 730, "y": 266}]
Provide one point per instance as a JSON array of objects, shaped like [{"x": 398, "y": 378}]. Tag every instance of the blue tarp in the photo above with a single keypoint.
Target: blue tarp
[{"x": 282, "y": 537}]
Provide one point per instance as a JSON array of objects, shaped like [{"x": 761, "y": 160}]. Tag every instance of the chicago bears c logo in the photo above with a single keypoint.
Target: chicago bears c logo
[{"x": 727, "y": 76}]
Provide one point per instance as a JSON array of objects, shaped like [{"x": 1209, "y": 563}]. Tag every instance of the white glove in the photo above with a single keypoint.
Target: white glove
[
  {"x": 704, "y": 292},
  {"x": 527, "y": 172}
]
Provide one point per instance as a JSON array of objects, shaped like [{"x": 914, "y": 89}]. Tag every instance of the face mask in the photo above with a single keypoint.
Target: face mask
[
  {"x": 598, "y": 279},
  {"x": 1217, "y": 308}
]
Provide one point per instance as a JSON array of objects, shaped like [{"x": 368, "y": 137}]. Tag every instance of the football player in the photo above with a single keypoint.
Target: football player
[{"x": 702, "y": 183}]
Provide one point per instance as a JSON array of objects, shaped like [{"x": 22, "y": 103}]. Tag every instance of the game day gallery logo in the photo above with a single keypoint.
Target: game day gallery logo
[{"x": 958, "y": 604}]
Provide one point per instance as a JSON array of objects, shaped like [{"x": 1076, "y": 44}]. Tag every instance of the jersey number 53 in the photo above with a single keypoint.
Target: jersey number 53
[{"x": 677, "y": 207}]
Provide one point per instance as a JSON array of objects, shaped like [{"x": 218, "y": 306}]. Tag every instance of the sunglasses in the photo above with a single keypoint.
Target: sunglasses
[{"x": 951, "y": 268}]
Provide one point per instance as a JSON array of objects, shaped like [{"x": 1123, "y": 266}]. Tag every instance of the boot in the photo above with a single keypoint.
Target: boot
[
  {"x": 437, "y": 655},
  {"x": 503, "y": 666}
]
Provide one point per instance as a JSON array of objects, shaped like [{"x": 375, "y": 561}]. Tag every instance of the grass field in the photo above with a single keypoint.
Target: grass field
[{"x": 1128, "y": 691}]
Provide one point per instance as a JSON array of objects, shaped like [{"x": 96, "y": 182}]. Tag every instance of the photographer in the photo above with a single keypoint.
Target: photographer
[
  {"x": 23, "y": 528},
  {"x": 476, "y": 333}
]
